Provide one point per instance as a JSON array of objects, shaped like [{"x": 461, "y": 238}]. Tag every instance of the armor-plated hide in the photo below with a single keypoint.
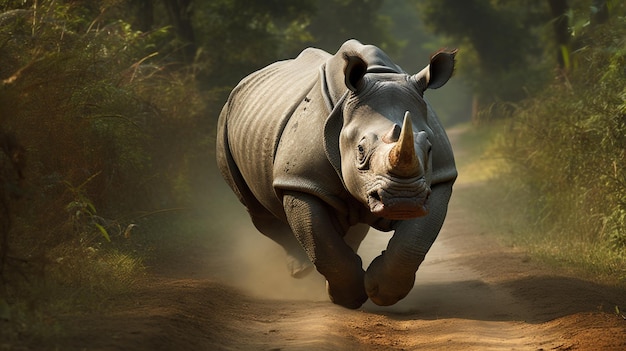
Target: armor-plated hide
[{"x": 311, "y": 148}]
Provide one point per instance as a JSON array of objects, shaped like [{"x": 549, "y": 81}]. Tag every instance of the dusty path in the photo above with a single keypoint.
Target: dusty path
[{"x": 471, "y": 294}]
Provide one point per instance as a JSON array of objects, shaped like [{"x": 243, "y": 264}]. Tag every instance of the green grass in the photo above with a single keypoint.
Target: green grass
[
  {"x": 506, "y": 209},
  {"x": 474, "y": 154},
  {"x": 74, "y": 281}
]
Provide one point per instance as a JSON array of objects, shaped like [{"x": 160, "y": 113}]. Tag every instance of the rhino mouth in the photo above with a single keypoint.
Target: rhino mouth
[{"x": 399, "y": 201}]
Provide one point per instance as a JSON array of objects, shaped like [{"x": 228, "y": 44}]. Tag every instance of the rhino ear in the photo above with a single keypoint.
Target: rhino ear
[
  {"x": 354, "y": 70},
  {"x": 439, "y": 71},
  {"x": 332, "y": 133}
]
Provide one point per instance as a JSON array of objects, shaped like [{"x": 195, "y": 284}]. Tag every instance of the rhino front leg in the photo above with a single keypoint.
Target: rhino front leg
[
  {"x": 391, "y": 275},
  {"x": 320, "y": 234}
]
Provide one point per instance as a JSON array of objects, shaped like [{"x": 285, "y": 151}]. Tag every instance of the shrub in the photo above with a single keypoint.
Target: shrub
[
  {"x": 108, "y": 129},
  {"x": 567, "y": 146}
]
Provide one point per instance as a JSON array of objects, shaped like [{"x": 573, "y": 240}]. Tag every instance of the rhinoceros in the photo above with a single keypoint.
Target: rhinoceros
[{"x": 322, "y": 147}]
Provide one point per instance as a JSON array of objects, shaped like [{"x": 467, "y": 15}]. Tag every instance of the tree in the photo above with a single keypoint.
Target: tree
[
  {"x": 571, "y": 23},
  {"x": 239, "y": 36},
  {"x": 599, "y": 12},
  {"x": 180, "y": 14},
  {"x": 562, "y": 34},
  {"x": 339, "y": 20},
  {"x": 502, "y": 34},
  {"x": 224, "y": 40}
]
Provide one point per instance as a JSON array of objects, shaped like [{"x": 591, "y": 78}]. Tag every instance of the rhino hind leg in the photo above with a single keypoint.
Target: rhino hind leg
[
  {"x": 298, "y": 262},
  {"x": 299, "y": 267}
]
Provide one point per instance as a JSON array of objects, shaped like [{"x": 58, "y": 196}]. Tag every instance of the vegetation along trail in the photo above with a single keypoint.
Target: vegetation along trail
[
  {"x": 116, "y": 233},
  {"x": 471, "y": 293}
]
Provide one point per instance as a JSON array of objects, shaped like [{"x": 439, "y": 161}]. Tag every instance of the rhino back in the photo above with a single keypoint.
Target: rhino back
[{"x": 256, "y": 114}]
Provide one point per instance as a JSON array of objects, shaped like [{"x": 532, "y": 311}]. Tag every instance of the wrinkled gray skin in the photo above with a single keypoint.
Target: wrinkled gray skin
[{"x": 318, "y": 149}]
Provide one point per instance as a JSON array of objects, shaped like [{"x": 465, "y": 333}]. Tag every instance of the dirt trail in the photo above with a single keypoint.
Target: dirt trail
[{"x": 470, "y": 294}]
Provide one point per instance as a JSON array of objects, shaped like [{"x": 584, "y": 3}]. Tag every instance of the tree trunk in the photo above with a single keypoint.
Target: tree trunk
[
  {"x": 145, "y": 15},
  {"x": 180, "y": 12},
  {"x": 599, "y": 12},
  {"x": 559, "y": 8}
]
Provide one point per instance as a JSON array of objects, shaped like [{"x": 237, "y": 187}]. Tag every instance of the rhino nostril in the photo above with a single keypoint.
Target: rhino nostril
[{"x": 375, "y": 195}]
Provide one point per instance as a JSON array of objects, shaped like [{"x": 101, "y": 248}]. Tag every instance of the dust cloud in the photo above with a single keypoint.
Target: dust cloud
[
  {"x": 244, "y": 258},
  {"x": 256, "y": 265},
  {"x": 261, "y": 270}
]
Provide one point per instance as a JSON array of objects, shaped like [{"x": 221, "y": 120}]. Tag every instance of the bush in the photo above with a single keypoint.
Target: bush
[
  {"x": 109, "y": 132},
  {"x": 567, "y": 146}
]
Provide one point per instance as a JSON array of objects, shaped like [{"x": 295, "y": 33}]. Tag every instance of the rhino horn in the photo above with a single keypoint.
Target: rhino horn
[{"x": 402, "y": 157}]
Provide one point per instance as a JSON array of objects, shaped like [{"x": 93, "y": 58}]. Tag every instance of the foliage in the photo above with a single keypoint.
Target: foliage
[
  {"x": 567, "y": 147},
  {"x": 252, "y": 34},
  {"x": 82, "y": 212},
  {"x": 339, "y": 20},
  {"x": 113, "y": 104},
  {"x": 116, "y": 124},
  {"x": 501, "y": 41},
  {"x": 236, "y": 37},
  {"x": 106, "y": 135},
  {"x": 414, "y": 45}
]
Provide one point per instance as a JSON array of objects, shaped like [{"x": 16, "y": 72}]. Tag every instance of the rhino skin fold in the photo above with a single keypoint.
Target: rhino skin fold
[{"x": 322, "y": 147}]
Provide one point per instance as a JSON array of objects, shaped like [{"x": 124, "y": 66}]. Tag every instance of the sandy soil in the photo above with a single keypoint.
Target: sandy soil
[{"x": 471, "y": 294}]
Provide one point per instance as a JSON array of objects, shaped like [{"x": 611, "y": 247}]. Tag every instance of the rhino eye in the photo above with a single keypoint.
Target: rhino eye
[{"x": 362, "y": 154}]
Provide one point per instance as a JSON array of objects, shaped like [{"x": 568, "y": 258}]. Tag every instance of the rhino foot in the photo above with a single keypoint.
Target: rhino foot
[
  {"x": 347, "y": 291},
  {"x": 299, "y": 267},
  {"x": 350, "y": 298},
  {"x": 385, "y": 287}
]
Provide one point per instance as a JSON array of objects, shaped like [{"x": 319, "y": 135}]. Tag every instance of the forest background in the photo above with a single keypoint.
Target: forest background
[{"x": 108, "y": 111}]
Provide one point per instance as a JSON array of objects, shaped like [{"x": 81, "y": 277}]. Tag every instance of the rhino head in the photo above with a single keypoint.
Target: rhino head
[{"x": 385, "y": 156}]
